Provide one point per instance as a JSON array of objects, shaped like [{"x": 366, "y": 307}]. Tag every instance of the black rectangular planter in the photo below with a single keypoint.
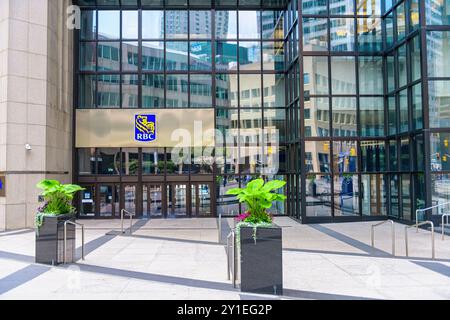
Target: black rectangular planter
[
  {"x": 50, "y": 241},
  {"x": 261, "y": 261}
]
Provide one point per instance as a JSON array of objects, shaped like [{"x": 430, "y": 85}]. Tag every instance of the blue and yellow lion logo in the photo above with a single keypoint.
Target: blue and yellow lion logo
[{"x": 145, "y": 127}]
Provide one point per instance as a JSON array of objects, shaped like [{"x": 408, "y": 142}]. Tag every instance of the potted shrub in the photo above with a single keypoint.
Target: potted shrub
[
  {"x": 50, "y": 220},
  {"x": 258, "y": 239}
]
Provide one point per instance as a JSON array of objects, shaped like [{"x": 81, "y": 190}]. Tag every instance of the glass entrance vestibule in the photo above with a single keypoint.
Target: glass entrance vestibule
[{"x": 146, "y": 200}]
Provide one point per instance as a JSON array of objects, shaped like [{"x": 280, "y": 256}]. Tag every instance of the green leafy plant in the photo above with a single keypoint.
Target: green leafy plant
[
  {"x": 58, "y": 199},
  {"x": 259, "y": 198}
]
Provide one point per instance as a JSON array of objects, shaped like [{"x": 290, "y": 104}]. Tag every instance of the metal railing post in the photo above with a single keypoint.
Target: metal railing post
[
  {"x": 425, "y": 210},
  {"x": 65, "y": 238},
  {"x": 65, "y": 243},
  {"x": 219, "y": 226},
  {"x": 121, "y": 220},
  {"x": 131, "y": 223},
  {"x": 234, "y": 260},
  {"x": 228, "y": 257},
  {"x": 372, "y": 233},
  {"x": 443, "y": 224},
  {"x": 433, "y": 250}
]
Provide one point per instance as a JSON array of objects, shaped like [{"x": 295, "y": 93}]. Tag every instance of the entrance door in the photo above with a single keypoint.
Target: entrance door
[
  {"x": 176, "y": 200},
  {"x": 152, "y": 201},
  {"x": 129, "y": 193},
  {"x": 201, "y": 200},
  {"x": 106, "y": 201},
  {"x": 87, "y": 202}
]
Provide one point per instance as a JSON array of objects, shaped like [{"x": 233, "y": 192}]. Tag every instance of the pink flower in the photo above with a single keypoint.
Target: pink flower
[{"x": 242, "y": 216}]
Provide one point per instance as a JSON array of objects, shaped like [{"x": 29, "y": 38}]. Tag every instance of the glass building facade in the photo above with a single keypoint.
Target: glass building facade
[{"x": 356, "y": 89}]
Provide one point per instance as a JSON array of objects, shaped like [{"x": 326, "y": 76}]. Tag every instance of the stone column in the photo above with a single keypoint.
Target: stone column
[{"x": 35, "y": 103}]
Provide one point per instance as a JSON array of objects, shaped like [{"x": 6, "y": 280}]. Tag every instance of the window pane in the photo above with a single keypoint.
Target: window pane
[
  {"x": 342, "y": 34},
  {"x": 152, "y": 24},
  {"x": 344, "y": 117},
  {"x": 393, "y": 156},
  {"x": 390, "y": 66},
  {"x": 250, "y": 55},
  {"x": 403, "y": 107},
  {"x": 109, "y": 161},
  {"x": 130, "y": 25},
  {"x": 346, "y": 195},
  {"x": 437, "y": 12},
  {"x": 315, "y": 7},
  {"x": 372, "y": 117},
  {"x": 406, "y": 196},
  {"x": 108, "y": 95},
  {"x": 414, "y": 14},
  {"x": 440, "y": 191},
  {"x": 373, "y": 154},
  {"x": 250, "y": 90},
  {"x": 273, "y": 25},
  {"x": 201, "y": 56},
  {"x": 200, "y": 24},
  {"x": 318, "y": 195},
  {"x": 130, "y": 160},
  {"x": 274, "y": 91},
  {"x": 88, "y": 56},
  {"x": 317, "y": 156},
  {"x": 227, "y": 90},
  {"x": 249, "y": 25},
  {"x": 343, "y": 75},
  {"x": 86, "y": 161},
  {"x": 416, "y": 64},
  {"x": 369, "y": 7},
  {"x": 317, "y": 117},
  {"x": 200, "y": 89},
  {"x": 273, "y": 56},
  {"x": 401, "y": 21},
  {"x": 417, "y": 106},
  {"x": 438, "y": 44},
  {"x": 130, "y": 56},
  {"x": 88, "y": 25},
  {"x": 370, "y": 37},
  {"x": 316, "y": 75},
  {"x": 342, "y": 7},
  {"x": 152, "y": 160},
  {"x": 371, "y": 75},
  {"x": 374, "y": 199},
  {"x": 153, "y": 91},
  {"x": 405, "y": 155},
  {"x": 402, "y": 74},
  {"x": 130, "y": 91},
  {"x": 274, "y": 123},
  {"x": 226, "y": 24},
  {"x": 440, "y": 153},
  {"x": 439, "y": 104},
  {"x": 177, "y": 56},
  {"x": 389, "y": 21},
  {"x": 177, "y": 91},
  {"x": 153, "y": 56},
  {"x": 176, "y": 24},
  {"x": 108, "y": 25},
  {"x": 315, "y": 34},
  {"x": 87, "y": 95},
  {"x": 392, "y": 115},
  {"x": 345, "y": 158},
  {"x": 108, "y": 56},
  {"x": 226, "y": 55}
]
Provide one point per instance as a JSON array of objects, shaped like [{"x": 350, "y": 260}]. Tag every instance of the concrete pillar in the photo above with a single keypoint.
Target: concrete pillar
[{"x": 35, "y": 103}]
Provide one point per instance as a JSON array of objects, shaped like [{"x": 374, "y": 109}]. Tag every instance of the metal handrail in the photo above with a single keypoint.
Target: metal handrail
[
  {"x": 372, "y": 233},
  {"x": 65, "y": 238},
  {"x": 426, "y": 209},
  {"x": 432, "y": 236},
  {"x": 131, "y": 220},
  {"x": 445, "y": 215}
]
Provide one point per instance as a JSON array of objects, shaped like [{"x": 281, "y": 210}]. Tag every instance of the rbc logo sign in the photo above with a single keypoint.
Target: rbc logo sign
[{"x": 145, "y": 127}]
